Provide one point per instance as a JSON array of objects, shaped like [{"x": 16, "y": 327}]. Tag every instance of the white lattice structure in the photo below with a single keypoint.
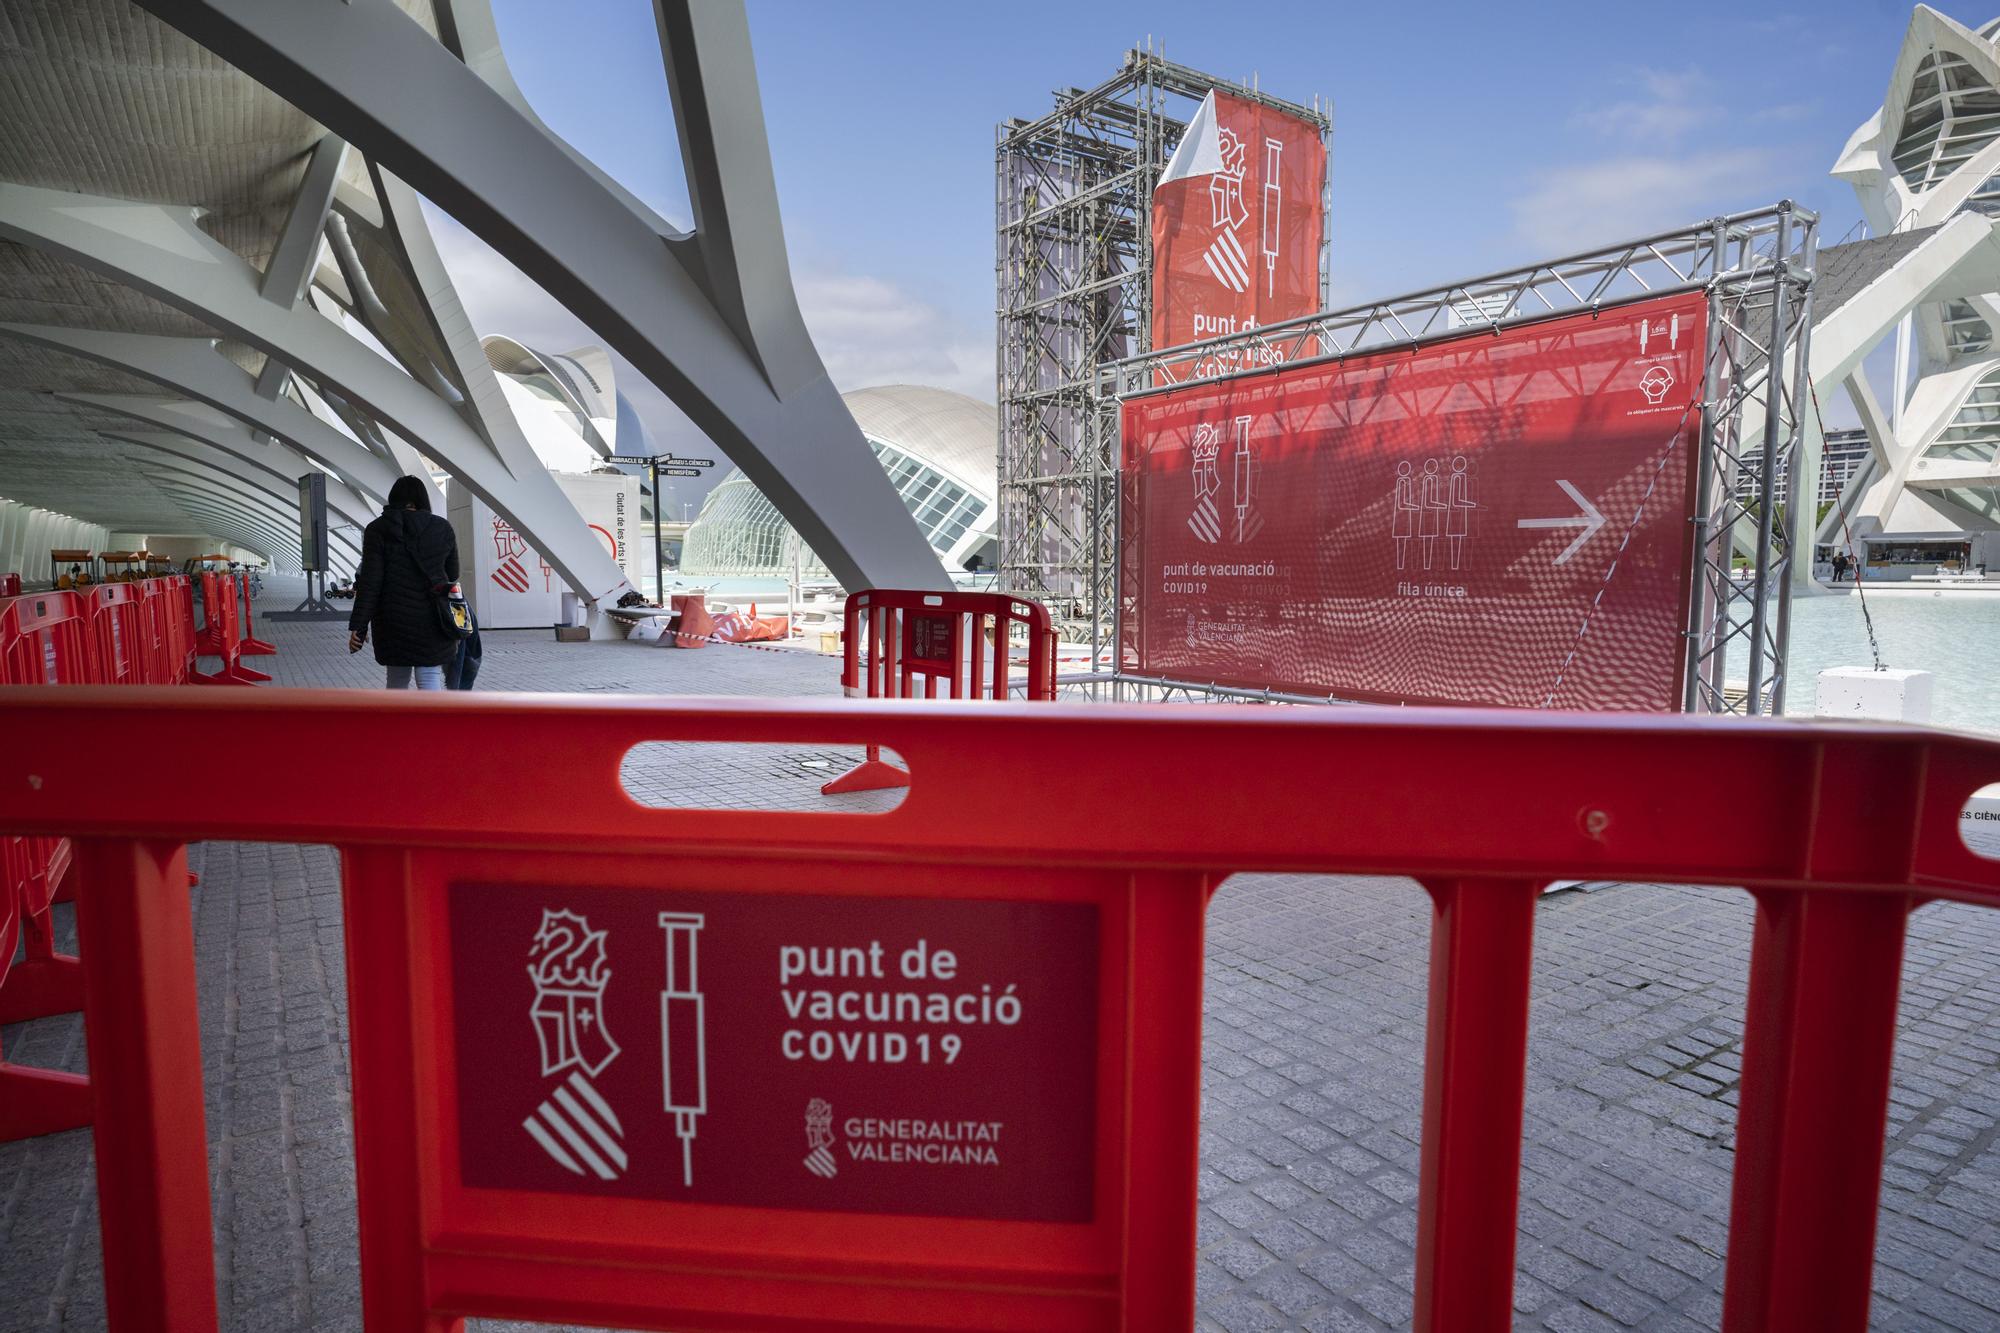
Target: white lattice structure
[{"x": 1926, "y": 168}]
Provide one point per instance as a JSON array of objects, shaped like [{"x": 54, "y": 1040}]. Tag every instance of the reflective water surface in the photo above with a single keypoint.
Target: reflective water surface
[{"x": 1957, "y": 639}]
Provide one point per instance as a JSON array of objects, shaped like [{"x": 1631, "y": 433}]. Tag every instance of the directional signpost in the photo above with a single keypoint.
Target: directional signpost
[{"x": 667, "y": 465}]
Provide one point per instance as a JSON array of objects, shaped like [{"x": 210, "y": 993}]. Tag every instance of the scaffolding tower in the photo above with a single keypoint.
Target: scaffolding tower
[{"x": 1073, "y": 277}]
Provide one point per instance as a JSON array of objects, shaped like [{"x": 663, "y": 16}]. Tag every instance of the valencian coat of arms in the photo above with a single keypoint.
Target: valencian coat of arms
[{"x": 567, "y": 964}]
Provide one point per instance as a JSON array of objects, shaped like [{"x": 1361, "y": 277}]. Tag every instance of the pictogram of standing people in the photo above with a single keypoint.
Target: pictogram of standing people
[
  {"x": 1403, "y": 522},
  {"x": 1431, "y": 504}
]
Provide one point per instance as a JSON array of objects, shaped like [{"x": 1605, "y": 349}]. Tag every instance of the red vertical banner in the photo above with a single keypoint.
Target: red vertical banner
[
  {"x": 1490, "y": 519},
  {"x": 1237, "y": 227}
]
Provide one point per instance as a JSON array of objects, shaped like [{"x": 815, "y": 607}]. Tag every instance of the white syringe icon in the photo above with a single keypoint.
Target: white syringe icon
[
  {"x": 1246, "y": 477},
  {"x": 1274, "y": 195},
  {"x": 683, "y": 1052}
]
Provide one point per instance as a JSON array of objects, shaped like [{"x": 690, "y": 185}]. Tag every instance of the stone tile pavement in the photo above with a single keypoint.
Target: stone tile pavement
[{"x": 1314, "y": 1034}]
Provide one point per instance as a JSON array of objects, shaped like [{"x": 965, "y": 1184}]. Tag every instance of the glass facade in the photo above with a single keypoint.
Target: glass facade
[
  {"x": 1952, "y": 115},
  {"x": 740, "y": 534},
  {"x": 1974, "y": 433},
  {"x": 1964, "y": 330}
]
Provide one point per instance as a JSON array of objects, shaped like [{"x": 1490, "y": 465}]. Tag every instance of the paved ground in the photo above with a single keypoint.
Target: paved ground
[{"x": 1310, "y": 1109}]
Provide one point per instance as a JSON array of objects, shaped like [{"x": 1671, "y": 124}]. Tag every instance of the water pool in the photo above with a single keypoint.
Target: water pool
[{"x": 1955, "y": 638}]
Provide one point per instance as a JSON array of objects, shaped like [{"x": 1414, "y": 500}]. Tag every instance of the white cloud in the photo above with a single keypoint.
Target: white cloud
[
  {"x": 499, "y": 298},
  {"x": 1669, "y": 104},
  {"x": 870, "y": 331},
  {"x": 1601, "y": 203},
  {"x": 1785, "y": 111}
]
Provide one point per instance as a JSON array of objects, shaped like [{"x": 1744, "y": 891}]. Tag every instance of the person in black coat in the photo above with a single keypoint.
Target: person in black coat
[{"x": 406, "y": 555}]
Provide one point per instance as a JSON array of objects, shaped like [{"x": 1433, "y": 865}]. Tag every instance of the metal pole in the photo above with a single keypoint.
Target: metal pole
[
  {"x": 1802, "y": 501},
  {"x": 659, "y": 545},
  {"x": 1774, "y": 369},
  {"x": 793, "y": 594},
  {"x": 1699, "y": 597}
]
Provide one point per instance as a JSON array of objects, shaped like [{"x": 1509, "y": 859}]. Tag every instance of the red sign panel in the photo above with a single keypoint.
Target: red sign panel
[
  {"x": 934, "y": 1057},
  {"x": 927, "y": 642},
  {"x": 1237, "y": 224},
  {"x": 1492, "y": 519}
]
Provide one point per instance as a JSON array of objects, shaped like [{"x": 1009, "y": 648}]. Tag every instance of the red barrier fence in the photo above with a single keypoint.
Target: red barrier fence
[
  {"x": 1049, "y": 1182},
  {"x": 169, "y": 629},
  {"x": 45, "y": 639},
  {"x": 120, "y": 652},
  {"x": 108, "y": 634},
  {"x": 904, "y": 644},
  {"x": 192, "y": 646},
  {"x": 252, "y": 646},
  {"x": 222, "y": 632}
]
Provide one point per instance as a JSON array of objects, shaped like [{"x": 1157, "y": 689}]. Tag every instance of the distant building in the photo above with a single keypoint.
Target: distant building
[
  {"x": 939, "y": 451},
  {"x": 1926, "y": 169},
  {"x": 1846, "y": 452},
  {"x": 568, "y": 404}
]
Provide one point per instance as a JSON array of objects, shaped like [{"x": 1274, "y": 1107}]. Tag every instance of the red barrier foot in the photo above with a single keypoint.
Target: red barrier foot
[
  {"x": 256, "y": 648},
  {"x": 229, "y": 675},
  {"x": 42, "y": 988},
  {"x": 868, "y": 775},
  {"x": 41, "y": 1101}
]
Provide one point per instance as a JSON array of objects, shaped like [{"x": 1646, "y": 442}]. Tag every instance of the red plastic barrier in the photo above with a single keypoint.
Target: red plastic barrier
[
  {"x": 166, "y": 629},
  {"x": 901, "y": 644},
  {"x": 121, "y": 651},
  {"x": 157, "y": 605},
  {"x": 45, "y": 639},
  {"x": 32, "y": 1101},
  {"x": 222, "y": 633},
  {"x": 183, "y": 638},
  {"x": 252, "y": 645},
  {"x": 742, "y": 1186}
]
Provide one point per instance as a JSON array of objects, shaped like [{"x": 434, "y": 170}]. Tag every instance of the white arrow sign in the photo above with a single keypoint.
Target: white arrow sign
[{"x": 1589, "y": 520}]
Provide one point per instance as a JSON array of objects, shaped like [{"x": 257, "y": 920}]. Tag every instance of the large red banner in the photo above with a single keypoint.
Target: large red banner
[
  {"x": 1493, "y": 519},
  {"x": 1237, "y": 228}
]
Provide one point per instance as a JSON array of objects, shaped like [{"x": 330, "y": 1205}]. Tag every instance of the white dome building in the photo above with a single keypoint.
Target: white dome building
[
  {"x": 939, "y": 450},
  {"x": 567, "y": 404}
]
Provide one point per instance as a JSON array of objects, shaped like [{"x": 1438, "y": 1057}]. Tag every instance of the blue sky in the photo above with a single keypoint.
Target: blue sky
[{"x": 1468, "y": 136}]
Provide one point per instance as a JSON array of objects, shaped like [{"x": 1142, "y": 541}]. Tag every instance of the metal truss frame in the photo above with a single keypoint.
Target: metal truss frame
[
  {"x": 1073, "y": 278},
  {"x": 1757, "y": 269}
]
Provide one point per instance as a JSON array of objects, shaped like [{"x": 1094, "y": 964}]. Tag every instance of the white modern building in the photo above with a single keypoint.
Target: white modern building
[
  {"x": 939, "y": 451},
  {"x": 569, "y": 404},
  {"x": 1926, "y": 168}
]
